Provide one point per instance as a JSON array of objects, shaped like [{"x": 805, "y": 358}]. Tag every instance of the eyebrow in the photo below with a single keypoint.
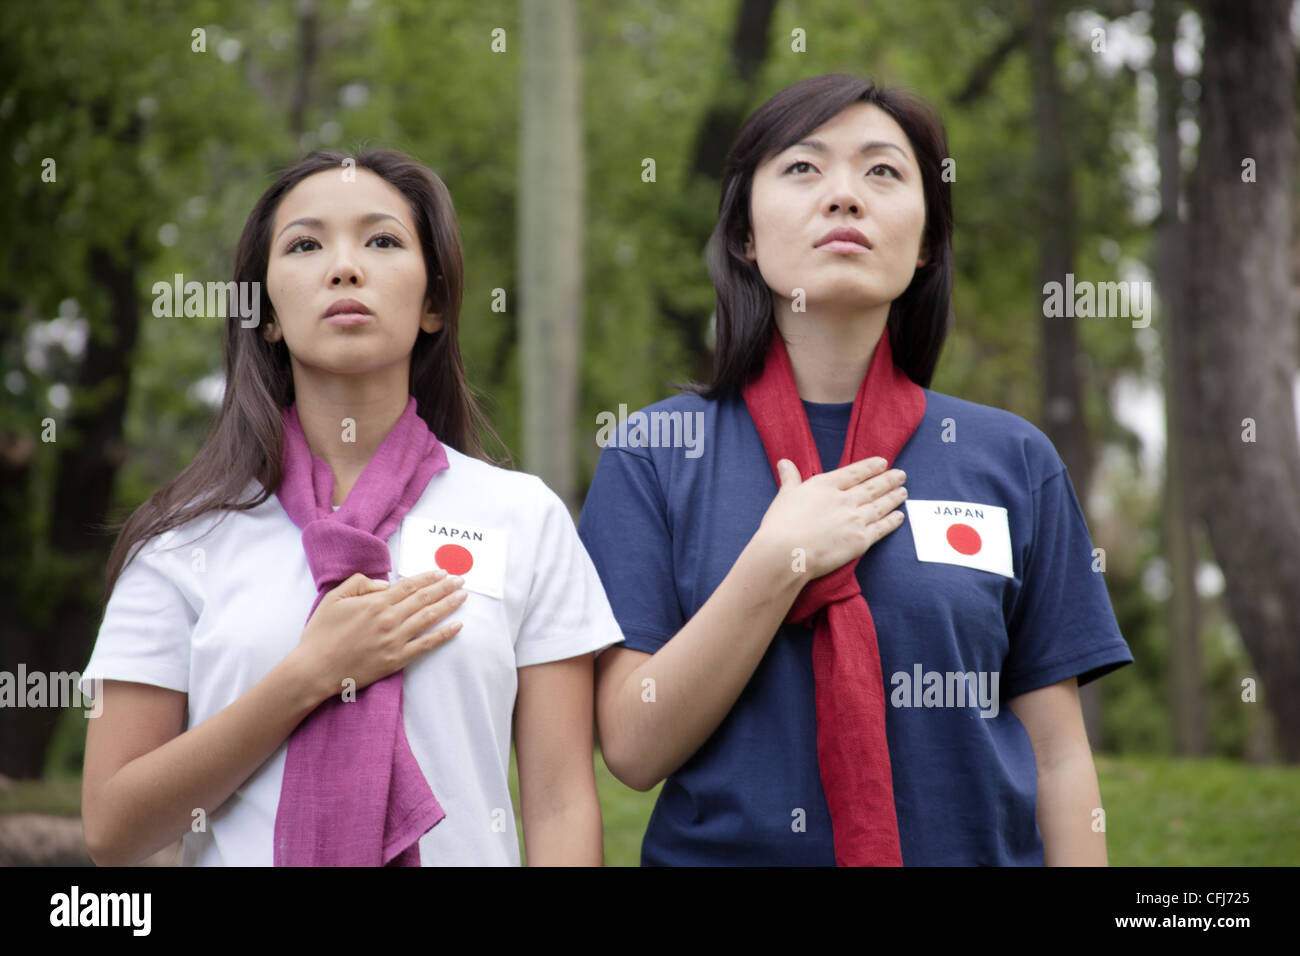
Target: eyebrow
[
  {"x": 366, "y": 220},
  {"x": 876, "y": 144}
]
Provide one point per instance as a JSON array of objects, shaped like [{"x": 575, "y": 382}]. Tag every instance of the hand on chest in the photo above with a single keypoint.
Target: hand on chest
[
  {"x": 476, "y": 553},
  {"x": 484, "y": 649},
  {"x": 959, "y": 553}
]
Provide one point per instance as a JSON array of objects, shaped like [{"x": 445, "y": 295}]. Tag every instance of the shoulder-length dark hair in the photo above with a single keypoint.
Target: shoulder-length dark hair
[
  {"x": 918, "y": 319},
  {"x": 245, "y": 441}
]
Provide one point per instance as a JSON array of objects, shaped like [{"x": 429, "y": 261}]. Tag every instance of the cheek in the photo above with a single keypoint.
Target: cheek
[
  {"x": 399, "y": 279},
  {"x": 290, "y": 296},
  {"x": 413, "y": 278},
  {"x": 910, "y": 226},
  {"x": 282, "y": 278},
  {"x": 275, "y": 288},
  {"x": 772, "y": 237},
  {"x": 764, "y": 218},
  {"x": 900, "y": 241}
]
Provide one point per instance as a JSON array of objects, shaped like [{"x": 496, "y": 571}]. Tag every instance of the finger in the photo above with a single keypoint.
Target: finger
[
  {"x": 857, "y": 472},
  {"x": 427, "y": 642},
  {"x": 788, "y": 472},
  {"x": 355, "y": 585},
  {"x": 889, "y": 523},
  {"x": 426, "y": 617},
  {"x": 878, "y": 487},
  {"x": 427, "y": 595},
  {"x": 877, "y": 508},
  {"x": 405, "y": 587}
]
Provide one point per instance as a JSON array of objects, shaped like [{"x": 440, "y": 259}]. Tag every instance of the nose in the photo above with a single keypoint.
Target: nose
[
  {"x": 344, "y": 270},
  {"x": 843, "y": 198},
  {"x": 844, "y": 202}
]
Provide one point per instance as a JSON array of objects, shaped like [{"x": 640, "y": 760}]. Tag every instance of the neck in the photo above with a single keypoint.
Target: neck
[
  {"x": 374, "y": 404},
  {"x": 830, "y": 349}
]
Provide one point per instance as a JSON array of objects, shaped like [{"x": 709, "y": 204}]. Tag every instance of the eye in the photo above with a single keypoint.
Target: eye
[
  {"x": 792, "y": 166},
  {"x": 894, "y": 172},
  {"x": 395, "y": 243}
]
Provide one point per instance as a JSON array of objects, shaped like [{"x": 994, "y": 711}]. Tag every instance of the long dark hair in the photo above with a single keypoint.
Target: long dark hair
[
  {"x": 245, "y": 441},
  {"x": 918, "y": 319}
]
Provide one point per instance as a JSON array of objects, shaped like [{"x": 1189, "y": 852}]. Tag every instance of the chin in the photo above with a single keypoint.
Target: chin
[
  {"x": 848, "y": 296},
  {"x": 348, "y": 359}
]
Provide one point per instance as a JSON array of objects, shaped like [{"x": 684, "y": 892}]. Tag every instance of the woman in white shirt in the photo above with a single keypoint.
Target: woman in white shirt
[{"x": 206, "y": 666}]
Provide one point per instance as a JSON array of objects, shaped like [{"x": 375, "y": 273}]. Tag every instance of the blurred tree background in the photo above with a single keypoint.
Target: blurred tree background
[{"x": 166, "y": 121}]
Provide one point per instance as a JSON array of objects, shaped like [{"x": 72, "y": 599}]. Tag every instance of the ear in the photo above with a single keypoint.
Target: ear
[
  {"x": 750, "y": 254},
  {"x": 432, "y": 320},
  {"x": 271, "y": 331}
]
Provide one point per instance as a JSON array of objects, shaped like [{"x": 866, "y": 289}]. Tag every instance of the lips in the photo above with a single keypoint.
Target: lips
[
  {"x": 346, "y": 307},
  {"x": 844, "y": 234}
]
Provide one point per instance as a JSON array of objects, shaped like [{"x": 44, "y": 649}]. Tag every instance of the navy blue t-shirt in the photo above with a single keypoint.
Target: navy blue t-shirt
[{"x": 665, "y": 524}]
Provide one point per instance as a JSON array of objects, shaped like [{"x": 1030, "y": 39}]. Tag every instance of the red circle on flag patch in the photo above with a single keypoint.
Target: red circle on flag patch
[
  {"x": 453, "y": 559},
  {"x": 964, "y": 538}
]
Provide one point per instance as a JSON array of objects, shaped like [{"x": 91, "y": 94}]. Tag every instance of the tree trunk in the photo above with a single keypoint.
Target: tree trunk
[
  {"x": 1187, "y": 707},
  {"x": 550, "y": 241},
  {"x": 733, "y": 91},
  {"x": 749, "y": 38},
  {"x": 308, "y": 44},
  {"x": 23, "y": 735},
  {"x": 1242, "y": 339},
  {"x": 90, "y": 448},
  {"x": 1060, "y": 355}
]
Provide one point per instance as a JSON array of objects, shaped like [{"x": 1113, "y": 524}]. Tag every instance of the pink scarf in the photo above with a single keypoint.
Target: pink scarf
[
  {"x": 353, "y": 794},
  {"x": 852, "y": 750}
]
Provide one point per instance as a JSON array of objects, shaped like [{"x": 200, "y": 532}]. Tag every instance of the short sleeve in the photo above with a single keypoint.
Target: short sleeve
[
  {"x": 624, "y": 525},
  {"x": 1063, "y": 624},
  {"x": 566, "y": 613},
  {"x": 148, "y": 622}
]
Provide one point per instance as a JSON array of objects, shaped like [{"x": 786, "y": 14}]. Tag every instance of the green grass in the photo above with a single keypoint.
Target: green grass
[
  {"x": 1160, "y": 811},
  {"x": 59, "y": 795},
  {"x": 1163, "y": 811}
]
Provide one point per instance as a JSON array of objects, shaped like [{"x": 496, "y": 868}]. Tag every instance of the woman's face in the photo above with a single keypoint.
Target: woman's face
[
  {"x": 333, "y": 240},
  {"x": 856, "y": 171}
]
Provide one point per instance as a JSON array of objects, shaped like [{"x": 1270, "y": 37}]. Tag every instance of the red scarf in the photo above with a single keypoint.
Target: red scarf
[{"x": 852, "y": 752}]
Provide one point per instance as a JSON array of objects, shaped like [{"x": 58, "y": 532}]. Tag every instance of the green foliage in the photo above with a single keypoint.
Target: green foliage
[{"x": 161, "y": 152}]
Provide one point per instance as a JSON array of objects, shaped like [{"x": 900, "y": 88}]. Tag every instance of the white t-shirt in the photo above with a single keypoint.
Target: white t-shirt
[{"x": 210, "y": 608}]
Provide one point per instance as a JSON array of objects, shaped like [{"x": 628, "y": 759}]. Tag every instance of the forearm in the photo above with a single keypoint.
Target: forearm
[
  {"x": 569, "y": 834},
  {"x": 150, "y": 802},
  {"x": 1068, "y": 796},
  {"x": 648, "y": 730}
]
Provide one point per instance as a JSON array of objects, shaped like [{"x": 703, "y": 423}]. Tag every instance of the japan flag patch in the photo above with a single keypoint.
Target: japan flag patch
[
  {"x": 962, "y": 532},
  {"x": 476, "y": 554}
]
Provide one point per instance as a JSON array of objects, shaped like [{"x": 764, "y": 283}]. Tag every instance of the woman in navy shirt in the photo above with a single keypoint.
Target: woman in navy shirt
[{"x": 834, "y": 233}]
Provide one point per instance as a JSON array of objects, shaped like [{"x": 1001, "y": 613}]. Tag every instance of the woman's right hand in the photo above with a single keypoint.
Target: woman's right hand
[
  {"x": 833, "y": 517},
  {"x": 366, "y": 629}
]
